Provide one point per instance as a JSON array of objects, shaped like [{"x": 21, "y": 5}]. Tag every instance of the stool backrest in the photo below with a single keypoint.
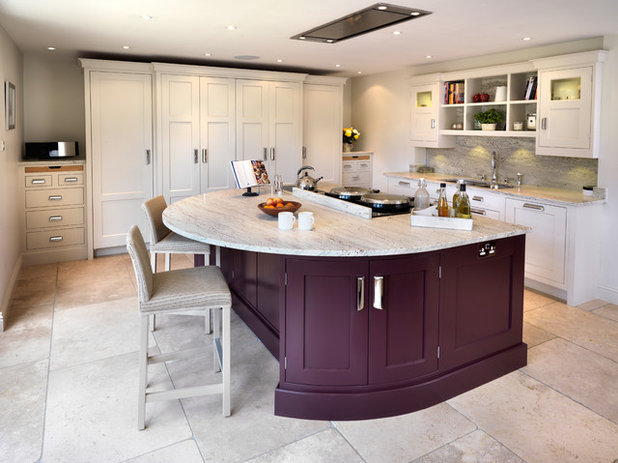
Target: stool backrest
[
  {"x": 154, "y": 212},
  {"x": 141, "y": 263}
]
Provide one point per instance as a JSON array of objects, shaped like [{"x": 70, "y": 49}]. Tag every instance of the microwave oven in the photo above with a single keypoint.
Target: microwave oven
[{"x": 51, "y": 150}]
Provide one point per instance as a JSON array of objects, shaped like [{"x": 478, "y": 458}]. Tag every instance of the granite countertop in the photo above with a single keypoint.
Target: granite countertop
[
  {"x": 226, "y": 218},
  {"x": 528, "y": 192}
]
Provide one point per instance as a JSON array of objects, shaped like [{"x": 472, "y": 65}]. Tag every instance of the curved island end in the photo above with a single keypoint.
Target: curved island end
[{"x": 368, "y": 317}]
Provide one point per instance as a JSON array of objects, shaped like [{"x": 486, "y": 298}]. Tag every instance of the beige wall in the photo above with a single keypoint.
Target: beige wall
[
  {"x": 54, "y": 99},
  {"x": 10, "y": 207}
]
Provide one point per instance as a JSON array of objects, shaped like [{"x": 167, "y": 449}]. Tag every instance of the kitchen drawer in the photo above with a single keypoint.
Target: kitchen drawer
[
  {"x": 402, "y": 186},
  {"x": 57, "y": 197},
  {"x": 54, "y": 238},
  {"x": 37, "y": 181},
  {"x": 357, "y": 179},
  {"x": 348, "y": 166},
  {"x": 486, "y": 213},
  {"x": 363, "y": 165},
  {"x": 54, "y": 218},
  {"x": 68, "y": 179},
  {"x": 485, "y": 200}
]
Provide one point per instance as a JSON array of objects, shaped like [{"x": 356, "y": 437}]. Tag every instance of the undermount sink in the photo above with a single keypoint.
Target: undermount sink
[{"x": 479, "y": 183}]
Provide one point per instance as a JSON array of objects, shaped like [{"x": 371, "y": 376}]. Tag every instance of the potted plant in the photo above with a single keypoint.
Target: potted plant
[
  {"x": 488, "y": 119},
  {"x": 350, "y": 135}
]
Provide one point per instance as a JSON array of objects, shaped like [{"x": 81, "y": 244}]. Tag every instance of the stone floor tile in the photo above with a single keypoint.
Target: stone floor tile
[
  {"x": 27, "y": 337},
  {"x": 182, "y": 452},
  {"x": 578, "y": 373},
  {"x": 70, "y": 294},
  {"x": 32, "y": 292},
  {"x": 537, "y": 423},
  {"x": 38, "y": 271},
  {"x": 578, "y": 326},
  {"x": 534, "y": 300},
  {"x": 92, "y": 413},
  {"x": 406, "y": 437},
  {"x": 591, "y": 305},
  {"x": 91, "y": 267},
  {"x": 476, "y": 447},
  {"x": 93, "y": 332},
  {"x": 324, "y": 447},
  {"x": 608, "y": 311},
  {"x": 534, "y": 336},
  {"x": 22, "y": 407}
]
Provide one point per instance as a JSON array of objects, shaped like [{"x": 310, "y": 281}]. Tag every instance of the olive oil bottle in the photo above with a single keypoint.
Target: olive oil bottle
[
  {"x": 456, "y": 196},
  {"x": 442, "y": 201},
  {"x": 462, "y": 208}
]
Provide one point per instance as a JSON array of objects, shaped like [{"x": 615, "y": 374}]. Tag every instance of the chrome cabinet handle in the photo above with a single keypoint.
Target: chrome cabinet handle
[
  {"x": 204, "y": 155},
  {"x": 534, "y": 206},
  {"x": 355, "y": 177},
  {"x": 55, "y": 238},
  {"x": 38, "y": 181},
  {"x": 433, "y": 123},
  {"x": 55, "y": 197},
  {"x": 272, "y": 154},
  {"x": 360, "y": 293},
  {"x": 478, "y": 211},
  {"x": 478, "y": 198},
  {"x": 147, "y": 157},
  {"x": 195, "y": 156},
  {"x": 265, "y": 154},
  {"x": 544, "y": 123},
  {"x": 404, "y": 183},
  {"x": 70, "y": 179},
  {"x": 378, "y": 292},
  {"x": 304, "y": 152},
  {"x": 55, "y": 218}
]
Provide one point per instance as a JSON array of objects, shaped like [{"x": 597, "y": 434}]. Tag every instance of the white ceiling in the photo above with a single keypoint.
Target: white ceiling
[{"x": 186, "y": 29}]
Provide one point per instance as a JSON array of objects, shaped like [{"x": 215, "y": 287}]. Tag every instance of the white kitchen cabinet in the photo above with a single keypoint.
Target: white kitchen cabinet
[
  {"x": 119, "y": 142},
  {"x": 569, "y": 104},
  {"x": 546, "y": 240},
  {"x": 401, "y": 186},
  {"x": 322, "y": 123},
  {"x": 197, "y": 134},
  {"x": 357, "y": 169},
  {"x": 269, "y": 125},
  {"x": 486, "y": 203},
  {"x": 425, "y": 114}
]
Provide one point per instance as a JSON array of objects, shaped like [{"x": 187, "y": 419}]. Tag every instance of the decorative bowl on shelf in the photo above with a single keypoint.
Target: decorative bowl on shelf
[{"x": 288, "y": 206}]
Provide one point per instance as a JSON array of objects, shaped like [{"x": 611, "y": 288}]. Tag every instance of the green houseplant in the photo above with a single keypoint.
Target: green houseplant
[{"x": 489, "y": 119}]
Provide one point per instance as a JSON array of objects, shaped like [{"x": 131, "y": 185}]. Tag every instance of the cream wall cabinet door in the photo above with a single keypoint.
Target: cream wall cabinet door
[
  {"x": 121, "y": 150},
  {"x": 425, "y": 112},
  {"x": 546, "y": 240},
  {"x": 322, "y": 124},
  {"x": 269, "y": 125}
]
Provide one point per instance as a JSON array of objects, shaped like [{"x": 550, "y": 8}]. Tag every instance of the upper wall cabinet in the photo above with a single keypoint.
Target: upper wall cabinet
[
  {"x": 569, "y": 104},
  {"x": 426, "y": 113}
]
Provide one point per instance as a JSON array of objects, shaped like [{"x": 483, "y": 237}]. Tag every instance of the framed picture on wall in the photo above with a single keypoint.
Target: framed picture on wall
[{"x": 9, "y": 105}]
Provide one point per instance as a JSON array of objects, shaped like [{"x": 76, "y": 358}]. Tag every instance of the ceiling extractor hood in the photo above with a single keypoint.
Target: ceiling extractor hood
[{"x": 360, "y": 22}]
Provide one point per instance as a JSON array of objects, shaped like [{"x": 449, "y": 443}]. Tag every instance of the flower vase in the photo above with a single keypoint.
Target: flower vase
[{"x": 347, "y": 147}]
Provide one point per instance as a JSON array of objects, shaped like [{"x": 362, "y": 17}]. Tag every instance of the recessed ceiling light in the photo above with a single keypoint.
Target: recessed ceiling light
[
  {"x": 146, "y": 17},
  {"x": 337, "y": 65},
  {"x": 279, "y": 60},
  {"x": 302, "y": 37},
  {"x": 382, "y": 7},
  {"x": 359, "y": 72},
  {"x": 231, "y": 27},
  {"x": 51, "y": 48},
  {"x": 428, "y": 56},
  {"x": 207, "y": 54},
  {"x": 525, "y": 39},
  {"x": 396, "y": 32},
  {"x": 330, "y": 41},
  {"x": 415, "y": 13},
  {"x": 126, "y": 47}
]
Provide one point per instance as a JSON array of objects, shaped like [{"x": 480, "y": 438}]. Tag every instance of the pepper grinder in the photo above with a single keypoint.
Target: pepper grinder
[{"x": 519, "y": 176}]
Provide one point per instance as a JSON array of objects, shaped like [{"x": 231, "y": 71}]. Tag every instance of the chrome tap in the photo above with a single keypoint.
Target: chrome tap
[{"x": 494, "y": 176}]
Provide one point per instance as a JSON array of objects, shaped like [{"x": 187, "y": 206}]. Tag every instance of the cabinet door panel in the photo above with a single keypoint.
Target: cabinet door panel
[
  {"x": 403, "y": 335},
  {"x": 252, "y": 119},
  {"x": 285, "y": 128},
  {"x": 121, "y": 111},
  {"x": 325, "y": 334},
  {"x": 481, "y": 303},
  {"x": 268, "y": 284}
]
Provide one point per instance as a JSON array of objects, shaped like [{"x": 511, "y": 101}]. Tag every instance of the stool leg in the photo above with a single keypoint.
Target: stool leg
[
  {"x": 143, "y": 371},
  {"x": 225, "y": 347},
  {"x": 207, "y": 322},
  {"x": 168, "y": 262},
  {"x": 153, "y": 322},
  {"x": 153, "y": 261},
  {"x": 217, "y": 335}
]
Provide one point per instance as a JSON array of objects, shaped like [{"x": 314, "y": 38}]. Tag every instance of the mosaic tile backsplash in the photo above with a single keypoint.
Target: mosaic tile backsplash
[{"x": 471, "y": 157}]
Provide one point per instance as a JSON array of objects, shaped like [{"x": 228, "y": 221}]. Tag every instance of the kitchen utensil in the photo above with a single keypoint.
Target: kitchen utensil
[
  {"x": 386, "y": 203},
  {"x": 305, "y": 220},
  {"x": 306, "y": 182},
  {"x": 286, "y": 220},
  {"x": 348, "y": 193}
]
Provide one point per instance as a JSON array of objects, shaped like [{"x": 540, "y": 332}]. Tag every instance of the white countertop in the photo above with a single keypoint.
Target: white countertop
[
  {"x": 526, "y": 192},
  {"x": 226, "y": 218}
]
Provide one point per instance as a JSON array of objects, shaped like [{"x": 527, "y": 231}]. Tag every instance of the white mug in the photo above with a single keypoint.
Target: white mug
[
  {"x": 305, "y": 220},
  {"x": 286, "y": 220}
]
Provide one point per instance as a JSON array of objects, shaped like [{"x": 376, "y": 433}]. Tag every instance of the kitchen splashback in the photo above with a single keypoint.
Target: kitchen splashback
[{"x": 471, "y": 157}]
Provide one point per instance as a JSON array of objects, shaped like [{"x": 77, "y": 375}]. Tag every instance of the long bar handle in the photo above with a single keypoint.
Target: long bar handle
[
  {"x": 55, "y": 198},
  {"x": 55, "y": 218},
  {"x": 265, "y": 154},
  {"x": 544, "y": 123},
  {"x": 304, "y": 152},
  {"x": 272, "y": 154},
  {"x": 195, "y": 156},
  {"x": 360, "y": 293},
  {"x": 433, "y": 123},
  {"x": 55, "y": 238},
  {"x": 204, "y": 155},
  {"x": 38, "y": 181},
  {"x": 147, "y": 157},
  {"x": 70, "y": 179},
  {"x": 534, "y": 206},
  {"x": 378, "y": 292},
  {"x": 478, "y": 211}
]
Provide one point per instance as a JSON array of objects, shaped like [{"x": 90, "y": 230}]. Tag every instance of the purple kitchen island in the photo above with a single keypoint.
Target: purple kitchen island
[{"x": 368, "y": 317}]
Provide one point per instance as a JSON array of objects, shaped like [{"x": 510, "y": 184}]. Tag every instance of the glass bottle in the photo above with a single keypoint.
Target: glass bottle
[
  {"x": 421, "y": 196},
  {"x": 463, "y": 203},
  {"x": 456, "y": 195},
  {"x": 442, "y": 201}
]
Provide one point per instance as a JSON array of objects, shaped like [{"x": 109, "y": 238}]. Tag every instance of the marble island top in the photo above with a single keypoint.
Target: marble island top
[
  {"x": 526, "y": 192},
  {"x": 226, "y": 218}
]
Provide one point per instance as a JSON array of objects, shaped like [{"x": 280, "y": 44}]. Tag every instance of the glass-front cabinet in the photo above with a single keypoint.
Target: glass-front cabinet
[{"x": 426, "y": 114}]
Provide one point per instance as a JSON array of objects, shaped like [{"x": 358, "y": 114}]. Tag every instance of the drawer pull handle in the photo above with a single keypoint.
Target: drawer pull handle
[
  {"x": 55, "y": 198},
  {"x": 347, "y": 166},
  {"x": 364, "y": 165},
  {"x": 355, "y": 177},
  {"x": 378, "y": 292},
  {"x": 404, "y": 183},
  {"x": 478, "y": 198},
  {"x": 55, "y": 218},
  {"x": 70, "y": 179},
  {"x": 478, "y": 211},
  {"x": 38, "y": 181},
  {"x": 55, "y": 238},
  {"x": 360, "y": 293},
  {"x": 536, "y": 207},
  {"x": 433, "y": 123}
]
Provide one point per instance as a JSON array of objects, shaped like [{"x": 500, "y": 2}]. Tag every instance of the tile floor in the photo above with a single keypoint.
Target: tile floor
[{"x": 68, "y": 381}]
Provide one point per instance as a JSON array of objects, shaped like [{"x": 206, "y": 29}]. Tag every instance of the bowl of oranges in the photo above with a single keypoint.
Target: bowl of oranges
[{"x": 273, "y": 206}]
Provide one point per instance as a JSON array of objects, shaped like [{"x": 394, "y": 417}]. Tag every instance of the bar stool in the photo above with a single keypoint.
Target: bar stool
[
  {"x": 165, "y": 241},
  {"x": 169, "y": 292}
]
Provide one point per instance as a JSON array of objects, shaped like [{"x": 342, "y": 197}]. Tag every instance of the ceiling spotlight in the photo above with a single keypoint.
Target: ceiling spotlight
[
  {"x": 330, "y": 41},
  {"x": 396, "y": 32},
  {"x": 146, "y": 17},
  {"x": 207, "y": 54},
  {"x": 280, "y": 61},
  {"x": 231, "y": 27},
  {"x": 525, "y": 39},
  {"x": 51, "y": 48},
  {"x": 359, "y": 72},
  {"x": 302, "y": 37},
  {"x": 428, "y": 56},
  {"x": 382, "y": 7},
  {"x": 337, "y": 65},
  {"x": 126, "y": 47},
  {"x": 415, "y": 13}
]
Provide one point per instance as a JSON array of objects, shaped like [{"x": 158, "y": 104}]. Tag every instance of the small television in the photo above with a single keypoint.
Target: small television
[{"x": 51, "y": 150}]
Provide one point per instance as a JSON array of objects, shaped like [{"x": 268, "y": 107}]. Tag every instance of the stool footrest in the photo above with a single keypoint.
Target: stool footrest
[
  {"x": 184, "y": 392},
  {"x": 179, "y": 355}
]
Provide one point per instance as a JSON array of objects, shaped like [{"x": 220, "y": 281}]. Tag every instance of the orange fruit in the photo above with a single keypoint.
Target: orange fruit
[
  {"x": 279, "y": 205},
  {"x": 289, "y": 204}
]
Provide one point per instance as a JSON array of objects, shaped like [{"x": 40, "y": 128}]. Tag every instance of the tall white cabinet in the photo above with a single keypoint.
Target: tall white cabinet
[{"x": 119, "y": 131}]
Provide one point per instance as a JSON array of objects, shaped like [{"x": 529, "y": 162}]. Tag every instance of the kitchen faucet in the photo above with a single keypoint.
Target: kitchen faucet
[{"x": 494, "y": 177}]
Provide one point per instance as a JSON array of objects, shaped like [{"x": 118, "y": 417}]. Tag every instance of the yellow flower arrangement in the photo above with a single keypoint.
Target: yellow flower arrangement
[{"x": 350, "y": 135}]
